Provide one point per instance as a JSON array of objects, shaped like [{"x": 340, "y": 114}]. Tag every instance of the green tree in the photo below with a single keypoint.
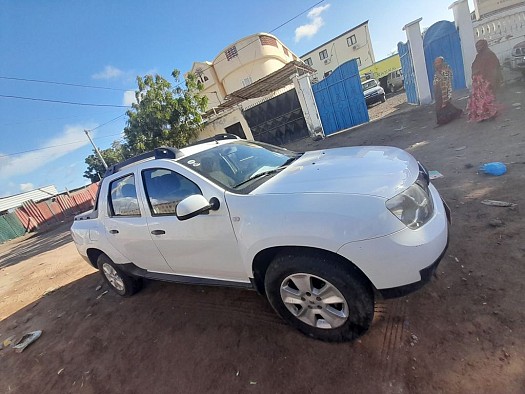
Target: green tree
[
  {"x": 95, "y": 170},
  {"x": 164, "y": 115}
]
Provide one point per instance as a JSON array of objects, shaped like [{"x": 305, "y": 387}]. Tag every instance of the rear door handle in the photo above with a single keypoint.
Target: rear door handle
[
  {"x": 158, "y": 232},
  {"x": 113, "y": 231}
]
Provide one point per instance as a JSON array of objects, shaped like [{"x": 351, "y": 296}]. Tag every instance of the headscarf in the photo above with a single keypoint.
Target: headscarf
[
  {"x": 443, "y": 79},
  {"x": 487, "y": 64}
]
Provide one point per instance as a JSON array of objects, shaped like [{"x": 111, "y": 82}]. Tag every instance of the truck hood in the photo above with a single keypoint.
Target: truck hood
[{"x": 378, "y": 171}]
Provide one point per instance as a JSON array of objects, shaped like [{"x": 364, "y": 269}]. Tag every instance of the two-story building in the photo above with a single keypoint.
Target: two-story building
[
  {"x": 352, "y": 44},
  {"x": 240, "y": 64},
  {"x": 247, "y": 74}
]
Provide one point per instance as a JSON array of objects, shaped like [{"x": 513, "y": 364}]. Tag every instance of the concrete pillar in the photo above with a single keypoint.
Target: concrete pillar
[
  {"x": 466, "y": 34},
  {"x": 415, "y": 40},
  {"x": 303, "y": 87}
]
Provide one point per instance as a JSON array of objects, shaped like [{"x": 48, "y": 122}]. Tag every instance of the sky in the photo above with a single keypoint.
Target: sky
[{"x": 104, "y": 45}]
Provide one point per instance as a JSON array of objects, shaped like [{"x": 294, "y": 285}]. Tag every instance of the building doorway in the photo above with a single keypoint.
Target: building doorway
[{"x": 236, "y": 129}]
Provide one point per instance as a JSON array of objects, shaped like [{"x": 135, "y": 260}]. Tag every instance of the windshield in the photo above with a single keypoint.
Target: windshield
[
  {"x": 238, "y": 164},
  {"x": 369, "y": 84}
]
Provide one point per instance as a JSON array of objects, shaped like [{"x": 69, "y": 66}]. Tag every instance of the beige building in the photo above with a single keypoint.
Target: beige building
[
  {"x": 501, "y": 23},
  {"x": 352, "y": 44},
  {"x": 484, "y": 8},
  {"x": 240, "y": 64}
]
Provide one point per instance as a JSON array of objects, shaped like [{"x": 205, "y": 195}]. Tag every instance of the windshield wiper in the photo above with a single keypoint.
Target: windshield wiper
[{"x": 269, "y": 172}]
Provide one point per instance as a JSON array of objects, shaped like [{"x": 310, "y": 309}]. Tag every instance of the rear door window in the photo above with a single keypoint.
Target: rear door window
[{"x": 122, "y": 197}]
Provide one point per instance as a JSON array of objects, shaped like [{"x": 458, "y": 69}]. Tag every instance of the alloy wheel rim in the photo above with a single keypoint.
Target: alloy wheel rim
[
  {"x": 314, "y": 301},
  {"x": 113, "y": 277}
]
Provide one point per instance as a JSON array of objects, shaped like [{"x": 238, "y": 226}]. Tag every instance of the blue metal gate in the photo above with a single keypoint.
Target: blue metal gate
[
  {"x": 442, "y": 39},
  {"x": 409, "y": 76},
  {"x": 340, "y": 100}
]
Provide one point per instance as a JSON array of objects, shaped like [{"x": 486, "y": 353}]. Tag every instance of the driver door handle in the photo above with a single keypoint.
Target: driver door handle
[
  {"x": 158, "y": 232},
  {"x": 113, "y": 231}
]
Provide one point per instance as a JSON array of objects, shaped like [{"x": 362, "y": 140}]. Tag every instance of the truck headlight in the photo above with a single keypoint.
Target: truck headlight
[{"x": 414, "y": 206}]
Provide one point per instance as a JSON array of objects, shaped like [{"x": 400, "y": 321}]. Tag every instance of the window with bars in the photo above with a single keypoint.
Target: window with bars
[
  {"x": 231, "y": 52},
  {"x": 200, "y": 75},
  {"x": 351, "y": 40},
  {"x": 308, "y": 61},
  {"x": 267, "y": 40},
  {"x": 246, "y": 81},
  {"x": 323, "y": 54}
]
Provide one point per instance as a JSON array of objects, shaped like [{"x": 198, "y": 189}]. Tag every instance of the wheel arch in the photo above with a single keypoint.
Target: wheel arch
[
  {"x": 264, "y": 258},
  {"x": 93, "y": 255}
]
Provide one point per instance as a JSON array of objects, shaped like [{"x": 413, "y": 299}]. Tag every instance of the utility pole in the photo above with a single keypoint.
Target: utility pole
[{"x": 96, "y": 150}]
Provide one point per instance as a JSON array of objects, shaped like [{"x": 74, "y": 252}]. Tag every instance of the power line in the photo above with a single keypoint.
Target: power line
[
  {"x": 63, "y": 83},
  {"x": 125, "y": 90},
  {"x": 296, "y": 16},
  {"x": 55, "y": 146},
  {"x": 109, "y": 121},
  {"x": 69, "y": 143},
  {"x": 41, "y": 120},
  {"x": 65, "y": 102}
]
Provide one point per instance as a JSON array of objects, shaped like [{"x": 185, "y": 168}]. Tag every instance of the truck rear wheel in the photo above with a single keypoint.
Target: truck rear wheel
[{"x": 121, "y": 283}]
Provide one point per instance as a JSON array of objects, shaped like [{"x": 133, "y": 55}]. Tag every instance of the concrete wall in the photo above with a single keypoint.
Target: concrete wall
[
  {"x": 217, "y": 125},
  {"x": 502, "y": 30},
  {"x": 485, "y": 7}
]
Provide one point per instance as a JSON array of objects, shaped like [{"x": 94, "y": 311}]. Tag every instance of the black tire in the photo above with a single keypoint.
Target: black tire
[
  {"x": 356, "y": 291},
  {"x": 126, "y": 286}
]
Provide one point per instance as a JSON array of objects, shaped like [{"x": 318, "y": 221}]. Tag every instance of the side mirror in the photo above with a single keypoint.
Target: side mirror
[{"x": 195, "y": 205}]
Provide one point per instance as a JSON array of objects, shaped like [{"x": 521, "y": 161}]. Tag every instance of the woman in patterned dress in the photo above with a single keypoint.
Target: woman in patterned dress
[
  {"x": 442, "y": 83},
  {"x": 486, "y": 79}
]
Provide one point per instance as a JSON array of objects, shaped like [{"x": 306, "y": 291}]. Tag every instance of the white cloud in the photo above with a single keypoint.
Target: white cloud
[
  {"x": 71, "y": 139},
  {"x": 316, "y": 22},
  {"x": 26, "y": 187},
  {"x": 109, "y": 72},
  {"x": 129, "y": 98}
]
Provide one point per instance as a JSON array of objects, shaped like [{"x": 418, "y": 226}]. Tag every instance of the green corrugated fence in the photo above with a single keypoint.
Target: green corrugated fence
[{"x": 10, "y": 227}]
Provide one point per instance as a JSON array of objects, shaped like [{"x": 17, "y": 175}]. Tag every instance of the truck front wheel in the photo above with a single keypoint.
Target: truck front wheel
[{"x": 320, "y": 296}]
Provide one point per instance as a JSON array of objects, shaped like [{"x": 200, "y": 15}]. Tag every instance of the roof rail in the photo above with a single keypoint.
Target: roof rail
[
  {"x": 216, "y": 138},
  {"x": 157, "y": 153}
]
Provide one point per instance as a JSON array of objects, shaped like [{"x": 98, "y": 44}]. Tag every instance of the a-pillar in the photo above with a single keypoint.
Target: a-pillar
[
  {"x": 463, "y": 23},
  {"x": 303, "y": 87},
  {"x": 415, "y": 41}
]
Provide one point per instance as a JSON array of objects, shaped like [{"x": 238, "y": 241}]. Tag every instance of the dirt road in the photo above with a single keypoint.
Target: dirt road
[{"x": 464, "y": 332}]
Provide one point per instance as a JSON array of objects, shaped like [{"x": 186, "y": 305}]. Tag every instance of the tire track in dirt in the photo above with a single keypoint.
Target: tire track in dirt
[
  {"x": 218, "y": 311},
  {"x": 395, "y": 329}
]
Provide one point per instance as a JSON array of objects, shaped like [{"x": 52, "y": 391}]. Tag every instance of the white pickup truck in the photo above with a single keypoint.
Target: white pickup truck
[{"x": 321, "y": 233}]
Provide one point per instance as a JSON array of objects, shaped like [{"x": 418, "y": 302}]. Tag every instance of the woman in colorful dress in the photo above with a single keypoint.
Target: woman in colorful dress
[
  {"x": 486, "y": 79},
  {"x": 442, "y": 83}
]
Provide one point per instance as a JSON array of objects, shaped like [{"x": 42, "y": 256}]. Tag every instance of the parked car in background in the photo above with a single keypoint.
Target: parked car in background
[
  {"x": 373, "y": 92},
  {"x": 517, "y": 59},
  {"x": 320, "y": 233},
  {"x": 394, "y": 80}
]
